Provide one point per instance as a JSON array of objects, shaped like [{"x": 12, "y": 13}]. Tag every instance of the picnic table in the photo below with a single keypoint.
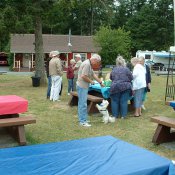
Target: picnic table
[
  {"x": 10, "y": 108},
  {"x": 103, "y": 155},
  {"x": 104, "y": 92},
  {"x": 165, "y": 127}
]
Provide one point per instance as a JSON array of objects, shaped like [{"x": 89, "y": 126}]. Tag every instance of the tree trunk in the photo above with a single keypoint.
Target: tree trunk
[{"x": 39, "y": 51}]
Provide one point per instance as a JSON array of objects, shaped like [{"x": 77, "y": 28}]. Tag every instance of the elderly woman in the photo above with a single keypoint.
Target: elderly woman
[
  {"x": 139, "y": 84},
  {"x": 120, "y": 89}
]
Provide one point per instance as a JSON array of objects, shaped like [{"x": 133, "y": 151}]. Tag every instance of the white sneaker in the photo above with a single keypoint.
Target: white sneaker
[
  {"x": 85, "y": 124},
  {"x": 68, "y": 93},
  {"x": 56, "y": 100},
  {"x": 143, "y": 107}
]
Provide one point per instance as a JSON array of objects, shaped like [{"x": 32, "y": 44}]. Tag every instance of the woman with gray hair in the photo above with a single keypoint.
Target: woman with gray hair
[
  {"x": 120, "y": 88},
  {"x": 139, "y": 84}
]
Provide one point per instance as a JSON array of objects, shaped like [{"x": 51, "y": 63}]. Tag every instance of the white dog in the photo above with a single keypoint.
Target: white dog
[{"x": 103, "y": 110}]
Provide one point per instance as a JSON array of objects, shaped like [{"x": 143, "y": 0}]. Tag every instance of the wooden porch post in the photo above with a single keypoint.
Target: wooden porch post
[
  {"x": 32, "y": 62},
  {"x": 14, "y": 60},
  {"x": 67, "y": 57}
]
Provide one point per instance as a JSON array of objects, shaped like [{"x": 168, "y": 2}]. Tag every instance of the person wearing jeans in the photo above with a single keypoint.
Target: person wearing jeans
[
  {"x": 70, "y": 76},
  {"x": 139, "y": 84},
  {"x": 119, "y": 103},
  {"x": 120, "y": 89},
  {"x": 76, "y": 68},
  {"x": 84, "y": 79},
  {"x": 82, "y": 104}
]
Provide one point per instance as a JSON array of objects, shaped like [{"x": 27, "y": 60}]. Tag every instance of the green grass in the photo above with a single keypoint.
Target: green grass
[{"x": 58, "y": 122}]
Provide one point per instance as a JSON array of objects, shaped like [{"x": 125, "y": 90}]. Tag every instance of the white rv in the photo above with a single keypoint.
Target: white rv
[{"x": 157, "y": 58}]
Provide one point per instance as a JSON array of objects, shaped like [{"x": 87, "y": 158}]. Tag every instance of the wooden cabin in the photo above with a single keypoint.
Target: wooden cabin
[{"x": 22, "y": 46}]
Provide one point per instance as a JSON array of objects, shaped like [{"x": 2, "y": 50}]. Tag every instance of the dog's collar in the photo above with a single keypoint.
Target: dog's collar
[{"x": 103, "y": 110}]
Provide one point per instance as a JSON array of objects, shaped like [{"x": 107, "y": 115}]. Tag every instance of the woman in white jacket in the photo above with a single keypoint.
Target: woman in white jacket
[{"x": 139, "y": 84}]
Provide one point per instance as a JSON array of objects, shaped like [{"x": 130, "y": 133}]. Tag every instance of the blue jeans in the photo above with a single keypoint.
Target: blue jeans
[
  {"x": 49, "y": 84},
  {"x": 75, "y": 84},
  {"x": 138, "y": 97},
  {"x": 70, "y": 85},
  {"x": 82, "y": 104},
  {"x": 119, "y": 103}
]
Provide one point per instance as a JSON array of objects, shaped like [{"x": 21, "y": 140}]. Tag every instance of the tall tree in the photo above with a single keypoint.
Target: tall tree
[
  {"x": 34, "y": 11},
  {"x": 148, "y": 27},
  {"x": 88, "y": 16},
  {"x": 113, "y": 43}
]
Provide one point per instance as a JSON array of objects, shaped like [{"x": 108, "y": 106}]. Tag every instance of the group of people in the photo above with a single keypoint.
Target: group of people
[
  {"x": 126, "y": 84},
  {"x": 54, "y": 71}
]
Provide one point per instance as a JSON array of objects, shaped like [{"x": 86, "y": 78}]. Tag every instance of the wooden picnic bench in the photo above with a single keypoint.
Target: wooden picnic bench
[
  {"x": 164, "y": 131},
  {"x": 16, "y": 127},
  {"x": 92, "y": 101}
]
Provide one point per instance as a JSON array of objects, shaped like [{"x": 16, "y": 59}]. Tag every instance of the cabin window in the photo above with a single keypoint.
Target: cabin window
[
  {"x": 148, "y": 57},
  {"x": 83, "y": 56}
]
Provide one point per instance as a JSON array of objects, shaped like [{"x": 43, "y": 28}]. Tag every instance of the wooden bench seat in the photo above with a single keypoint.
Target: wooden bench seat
[
  {"x": 92, "y": 101},
  {"x": 164, "y": 131},
  {"x": 16, "y": 127}
]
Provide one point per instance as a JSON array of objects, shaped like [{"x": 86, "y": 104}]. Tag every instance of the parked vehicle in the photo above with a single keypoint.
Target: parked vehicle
[
  {"x": 3, "y": 59},
  {"x": 157, "y": 66},
  {"x": 157, "y": 59}
]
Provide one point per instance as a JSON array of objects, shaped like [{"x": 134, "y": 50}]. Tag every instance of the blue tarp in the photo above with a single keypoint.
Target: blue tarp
[
  {"x": 104, "y": 155},
  {"x": 172, "y": 104}
]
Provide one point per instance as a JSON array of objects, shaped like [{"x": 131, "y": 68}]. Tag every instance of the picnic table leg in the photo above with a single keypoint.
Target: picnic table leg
[
  {"x": 21, "y": 135},
  {"x": 73, "y": 101},
  {"x": 92, "y": 108},
  {"x": 162, "y": 134}
]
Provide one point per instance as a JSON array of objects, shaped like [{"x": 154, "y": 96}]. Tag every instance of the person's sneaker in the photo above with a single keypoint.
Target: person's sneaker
[
  {"x": 56, "y": 100},
  {"x": 85, "y": 124},
  {"x": 68, "y": 93},
  {"x": 143, "y": 107}
]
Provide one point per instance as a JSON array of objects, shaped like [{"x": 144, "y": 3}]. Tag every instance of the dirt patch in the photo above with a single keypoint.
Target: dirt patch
[{"x": 6, "y": 140}]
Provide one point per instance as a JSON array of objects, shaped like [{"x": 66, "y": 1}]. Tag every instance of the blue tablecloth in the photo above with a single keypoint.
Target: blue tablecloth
[
  {"x": 105, "y": 91},
  {"x": 104, "y": 155},
  {"x": 172, "y": 104}
]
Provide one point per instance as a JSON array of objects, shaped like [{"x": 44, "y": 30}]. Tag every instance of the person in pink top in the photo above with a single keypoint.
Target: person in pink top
[{"x": 70, "y": 76}]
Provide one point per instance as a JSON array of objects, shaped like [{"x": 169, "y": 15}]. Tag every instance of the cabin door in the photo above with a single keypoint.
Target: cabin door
[{"x": 26, "y": 59}]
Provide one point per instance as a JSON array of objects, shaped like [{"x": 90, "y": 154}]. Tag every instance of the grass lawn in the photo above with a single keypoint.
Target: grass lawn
[{"x": 58, "y": 122}]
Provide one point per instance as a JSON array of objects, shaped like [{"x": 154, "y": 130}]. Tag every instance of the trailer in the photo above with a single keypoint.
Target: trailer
[{"x": 157, "y": 59}]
